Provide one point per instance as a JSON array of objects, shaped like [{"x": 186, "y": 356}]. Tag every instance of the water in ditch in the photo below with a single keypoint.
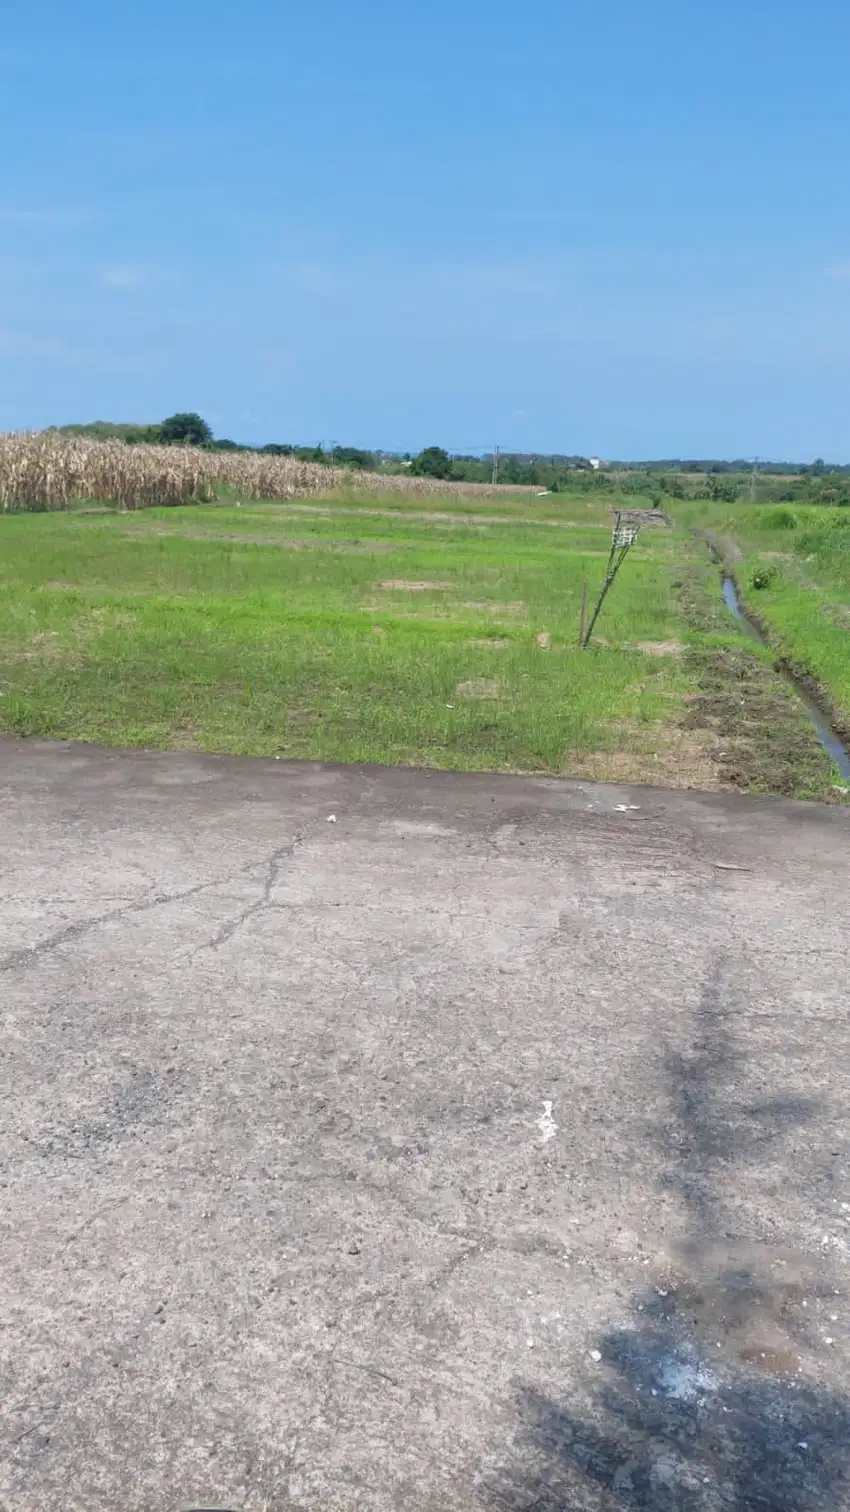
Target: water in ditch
[{"x": 834, "y": 748}]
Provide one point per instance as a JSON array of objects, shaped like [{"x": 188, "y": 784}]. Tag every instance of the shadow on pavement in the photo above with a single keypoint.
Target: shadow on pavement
[{"x": 711, "y": 1398}]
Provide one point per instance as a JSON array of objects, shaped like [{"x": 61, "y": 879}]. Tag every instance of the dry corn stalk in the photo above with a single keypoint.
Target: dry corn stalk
[{"x": 46, "y": 470}]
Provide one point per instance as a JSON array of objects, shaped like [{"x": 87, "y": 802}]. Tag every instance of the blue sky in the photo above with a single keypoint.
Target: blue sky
[{"x": 575, "y": 225}]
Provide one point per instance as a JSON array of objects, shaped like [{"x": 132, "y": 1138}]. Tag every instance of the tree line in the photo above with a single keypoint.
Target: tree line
[{"x": 670, "y": 478}]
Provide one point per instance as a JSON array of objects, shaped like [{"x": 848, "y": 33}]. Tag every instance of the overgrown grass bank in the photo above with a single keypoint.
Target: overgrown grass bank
[{"x": 793, "y": 567}]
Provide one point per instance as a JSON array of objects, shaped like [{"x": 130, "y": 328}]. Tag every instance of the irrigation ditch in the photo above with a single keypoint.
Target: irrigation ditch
[{"x": 830, "y": 727}]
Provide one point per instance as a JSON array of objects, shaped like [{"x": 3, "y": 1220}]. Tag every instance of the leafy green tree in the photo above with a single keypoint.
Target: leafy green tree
[
  {"x": 354, "y": 456},
  {"x": 185, "y": 430},
  {"x": 433, "y": 462}
]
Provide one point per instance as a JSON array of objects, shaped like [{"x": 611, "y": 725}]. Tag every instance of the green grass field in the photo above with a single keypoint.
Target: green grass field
[{"x": 361, "y": 630}]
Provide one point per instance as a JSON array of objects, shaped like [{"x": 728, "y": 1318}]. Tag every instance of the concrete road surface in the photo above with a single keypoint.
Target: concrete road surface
[{"x": 393, "y": 1140}]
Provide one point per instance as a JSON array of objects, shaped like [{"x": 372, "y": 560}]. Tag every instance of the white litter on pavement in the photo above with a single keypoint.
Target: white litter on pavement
[{"x": 546, "y": 1123}]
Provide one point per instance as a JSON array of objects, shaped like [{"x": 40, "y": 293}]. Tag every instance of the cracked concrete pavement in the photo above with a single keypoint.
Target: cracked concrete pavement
[{"x": 389, "y": 1139}]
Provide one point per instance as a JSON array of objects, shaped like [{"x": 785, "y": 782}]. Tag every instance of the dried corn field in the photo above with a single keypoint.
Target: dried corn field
[
  {"x": 48, "y": 471},
  {"x": 44, "y": 470}
]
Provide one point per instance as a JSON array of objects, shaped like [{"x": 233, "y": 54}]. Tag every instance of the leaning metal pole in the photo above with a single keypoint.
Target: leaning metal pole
[{"x": 622, "y": 540}]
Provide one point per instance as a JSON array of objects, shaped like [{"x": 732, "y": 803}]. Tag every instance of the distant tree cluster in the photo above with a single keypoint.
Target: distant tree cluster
[
  {"x": 433, "y": 462},
  {"x": 190, "y": 429},
  {"x": 187, "y": 430}
]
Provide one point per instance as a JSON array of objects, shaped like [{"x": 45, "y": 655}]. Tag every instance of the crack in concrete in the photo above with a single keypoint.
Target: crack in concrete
[
  {"x": 371, "y": 1370},
  {"x": 272, "y": 864},
  {"x": 32, "y": 953}
]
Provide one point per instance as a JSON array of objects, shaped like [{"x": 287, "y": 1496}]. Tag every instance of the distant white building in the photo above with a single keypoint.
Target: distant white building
[{"x": 595, "y": 462}]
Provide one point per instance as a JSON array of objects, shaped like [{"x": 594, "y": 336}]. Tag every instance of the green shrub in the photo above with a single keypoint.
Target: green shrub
[
  {"x": 777, "y": 518},
  {"x": 763, "y": 577}
]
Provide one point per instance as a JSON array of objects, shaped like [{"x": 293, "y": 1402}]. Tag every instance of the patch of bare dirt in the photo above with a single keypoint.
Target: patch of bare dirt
[
  {"x": 487, "y": 607},
  {"x": 659, "y": 648},
  {"x": 762, "y": 738},
  {"x": 479, "y": 687},
  {"x": 42, "y": 645},
  {"x": 490, "y": 643},
  {"x": 397, "y": 614},
  {"x": 676, "y": 759},
  {"x": 839, "y": 614},
  {"x": 434, "y": 516},
  {"x": 341, "y": 546},
  {"x": 185, "y": 738},
  {"x": 290, "y": 508},
  {"x": 413, "y": 585},
  {"x": 648, "y": 648},
  {"x": 300, "y": 719},
  {"x": 106, "y": 618}
]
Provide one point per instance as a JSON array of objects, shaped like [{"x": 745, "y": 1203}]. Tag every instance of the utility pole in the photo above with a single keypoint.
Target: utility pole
[
  {"x": 495, "y": 477},
  {"x": 754, "y": 478}
]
